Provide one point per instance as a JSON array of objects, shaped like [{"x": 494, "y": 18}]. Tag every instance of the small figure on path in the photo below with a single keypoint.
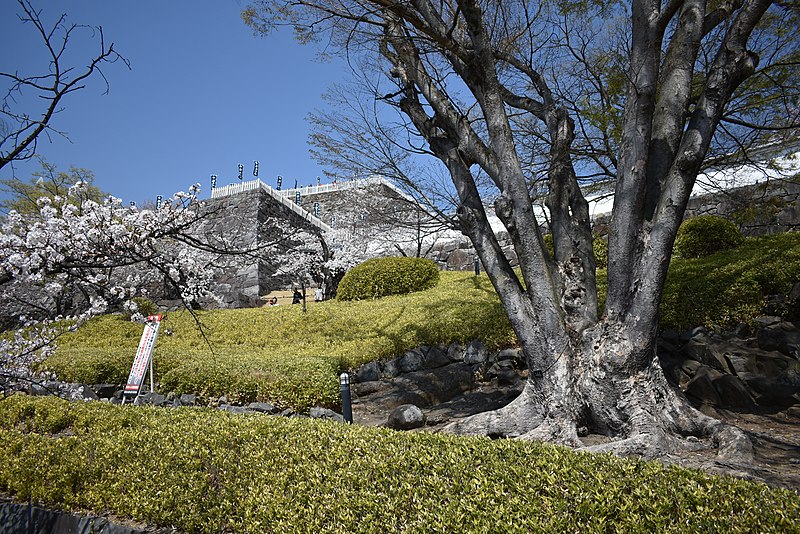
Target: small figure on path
[
  {"x": 318, "y": 295},
  {"x": 273, "y": 301},
  {"x": 297, "y": 297}
]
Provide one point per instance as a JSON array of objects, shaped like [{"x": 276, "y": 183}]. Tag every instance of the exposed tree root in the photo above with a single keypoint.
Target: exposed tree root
[
  {"x": 643, "y": 416},
  {"x": 520, "y": 416}
]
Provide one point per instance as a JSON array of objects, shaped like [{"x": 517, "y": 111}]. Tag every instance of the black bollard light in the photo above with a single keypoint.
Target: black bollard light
[{"x": 347, "y": 403}]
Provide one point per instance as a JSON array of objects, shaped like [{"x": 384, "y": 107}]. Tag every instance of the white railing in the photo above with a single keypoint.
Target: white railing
[
  {"x": 336, "y": 186},
  {"x": 234, "y": 189}
]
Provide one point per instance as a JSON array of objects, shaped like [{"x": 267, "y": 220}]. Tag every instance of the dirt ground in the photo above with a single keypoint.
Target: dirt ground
[{"x": 776, "y": 447}]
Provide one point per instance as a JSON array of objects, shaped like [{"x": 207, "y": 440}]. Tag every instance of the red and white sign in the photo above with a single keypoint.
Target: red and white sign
[{"x": 143, "y": 355}]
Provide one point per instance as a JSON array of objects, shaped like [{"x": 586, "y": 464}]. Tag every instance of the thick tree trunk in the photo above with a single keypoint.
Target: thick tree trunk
[{"x": 604, "y": 383}]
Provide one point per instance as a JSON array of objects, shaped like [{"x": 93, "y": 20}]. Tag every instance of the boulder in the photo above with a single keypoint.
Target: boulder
[
  {"x": 78, "y": 392},
  {"x": 688, "y": 369},
  {"x": 504, "y": 372},
  {"x": 694, "y": 332},
  {"x": 187, "y": 399},
  {"x": 455, "y": 352},
  {"x": 476, "y": 353},
  {"x": 233, "y": 409},
  {"x": 701, "y": 386},
  {"x": 262, "y": 407},
  {"x": 697, "y": 348},
  {"x": 422, "y": 388},
  {"x": 406, "y": 417},
  {"x": 105, "y": 391},
  {"x": 150, "y": 398},
  {"x": 390, "y": 369},
  {"x": 412, "y": 360},
  {"x": 368, "y": 372},
  {"x": 779, "y": 389},
  {"x": 783, "y": 337},
  {"x": 514, "y": 355},
  {"x": 766, "y": 320},
  {"x": 733, "y": 394},
  {"x": 434, "y": 357},
  {"x": 29, "y": 518}
]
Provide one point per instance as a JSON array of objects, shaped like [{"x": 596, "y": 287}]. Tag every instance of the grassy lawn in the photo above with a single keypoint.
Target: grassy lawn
[{"x": 282, "y": 355}]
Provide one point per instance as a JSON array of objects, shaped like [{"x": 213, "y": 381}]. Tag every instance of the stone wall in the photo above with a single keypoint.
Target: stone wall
[
  {"x": 250, "y": 220},
  {"x": 758, "y": 209},
  {"x": 358, "y": 205}
]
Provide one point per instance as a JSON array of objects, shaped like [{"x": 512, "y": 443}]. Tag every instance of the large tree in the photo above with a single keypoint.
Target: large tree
[
  {"x": 469, "y": 74},
  {"x": 49, "y": 182}
]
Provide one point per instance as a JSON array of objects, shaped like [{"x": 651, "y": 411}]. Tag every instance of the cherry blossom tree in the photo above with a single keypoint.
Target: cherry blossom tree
[{"x": 98, "y": 256}]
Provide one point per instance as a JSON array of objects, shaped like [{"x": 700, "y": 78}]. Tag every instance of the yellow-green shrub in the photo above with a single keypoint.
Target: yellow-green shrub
[
  {"x": 202, "y": 470},
  {"x": 728, "y": 287},
  {"x": 280, "y": 354},
  {"x": 600, "y": 247},
  {"x": 705, "y": 235},
  {"x": 380, "y": 277}
]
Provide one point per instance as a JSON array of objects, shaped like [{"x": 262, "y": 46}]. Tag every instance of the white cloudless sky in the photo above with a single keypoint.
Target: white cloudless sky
[{"x": 203, "y": 95}]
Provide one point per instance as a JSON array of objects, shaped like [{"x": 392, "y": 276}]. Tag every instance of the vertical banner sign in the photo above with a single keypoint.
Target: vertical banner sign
[{"x": 143, "y": 355}]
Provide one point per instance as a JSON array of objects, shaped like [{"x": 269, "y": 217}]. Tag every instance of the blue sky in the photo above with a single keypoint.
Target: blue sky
[{"x": 203, "y": 95}]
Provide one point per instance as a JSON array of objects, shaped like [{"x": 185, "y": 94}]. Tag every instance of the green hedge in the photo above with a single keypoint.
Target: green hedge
[
  {"x": 380, "y": 277},
  {"x": 201, "y": 470},
  {"x": 705, "y": 235}
]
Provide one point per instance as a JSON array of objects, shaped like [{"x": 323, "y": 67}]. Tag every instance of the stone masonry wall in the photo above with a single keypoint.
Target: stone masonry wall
[
  {"x": 250, "y": 220},
  {"x": 758, "y": 209}
]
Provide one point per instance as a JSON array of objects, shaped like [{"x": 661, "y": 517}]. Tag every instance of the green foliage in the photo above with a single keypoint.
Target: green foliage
[
  {"x": 281, "y": 355},
  {"x": 202, "y": 470},
  {"x": 49, "y": 183},
  {"x": 380, "y": 277},
  {"x": 548, "y": 244},
  {"x": 705, "y": 235},
  {"x": 600, "y": 247},
  {"x": 728, "y": 287}
]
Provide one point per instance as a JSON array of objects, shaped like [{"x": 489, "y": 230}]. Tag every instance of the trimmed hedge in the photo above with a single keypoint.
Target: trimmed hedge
[
  {"x": 202, "y": 470},
  {"x": 705, "y": 235},
  {"x": 380, "y": 277}
]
